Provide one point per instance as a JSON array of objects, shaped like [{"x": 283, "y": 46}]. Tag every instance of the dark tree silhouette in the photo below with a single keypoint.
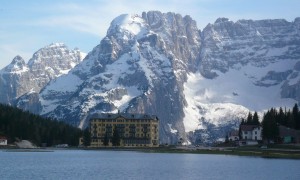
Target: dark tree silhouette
[
  {"x": 86, "y": 137},
  {"x": 17, "y": 124},
  {"x": 255, "y": 120},
  {"x": 116, "y": 137},
  {"x": 106, "y": 140}
]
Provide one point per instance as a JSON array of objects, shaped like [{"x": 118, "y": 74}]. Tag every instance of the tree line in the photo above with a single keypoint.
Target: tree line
[
  {"x": 251, "y": 119},
  {"x": 272, "y": 119},
  {"x": 17, "y": 124}
]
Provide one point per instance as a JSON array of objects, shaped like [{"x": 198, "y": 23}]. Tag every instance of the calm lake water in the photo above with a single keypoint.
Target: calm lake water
[{"x": 80, "y": 164}]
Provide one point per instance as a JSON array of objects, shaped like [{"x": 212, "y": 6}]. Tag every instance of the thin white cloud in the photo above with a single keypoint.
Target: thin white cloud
[{"x": 95, "y": 17}]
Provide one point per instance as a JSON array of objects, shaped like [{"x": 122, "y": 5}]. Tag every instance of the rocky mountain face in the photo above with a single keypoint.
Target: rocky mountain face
[
  {"x": 139, "y": 67},
  {"x": 50, "y": 62},
  {"x": 259, "y": 43},
  {"x": 244, "y": 65},
  {"x": 198, "y": 83}
]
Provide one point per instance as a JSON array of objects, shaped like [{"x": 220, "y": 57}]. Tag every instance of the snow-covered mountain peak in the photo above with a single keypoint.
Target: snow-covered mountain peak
[
  {"x": 55, "y": 58},
  {"x": 55, "y": 45},
  {"x": 16, "y": 66},
  {"x": 135, "y": 68},
  {"x": 48, "y": 52},
  {"x": 169, "y": 23},
  {"x": 18, "y": 60},
  {"x": 222, "y": 20},
  {"x": 128, "y": 25},
  {"x": 48, "y": 63}
]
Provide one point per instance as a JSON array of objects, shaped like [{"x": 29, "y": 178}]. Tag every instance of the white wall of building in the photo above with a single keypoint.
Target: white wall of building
[
  {"x": 256, "y": 134},
  {"x": 247, "y": 135},
  {"x": 233, "y": 138},
  {"x": 3, "y": 142}
]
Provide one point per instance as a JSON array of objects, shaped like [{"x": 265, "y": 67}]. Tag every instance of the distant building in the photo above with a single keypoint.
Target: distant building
[
  {"x": 134, "y": 130},
  {"x": 288, "y": 135},
  {"x": 233, "y": 135},
  {"x": 3, "y": 141},
  {"x": 251, "y": 132}
]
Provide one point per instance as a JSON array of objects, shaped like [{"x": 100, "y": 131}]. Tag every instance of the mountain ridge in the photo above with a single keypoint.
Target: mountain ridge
[
  {"x": 199, "y": 83},
  {"x": 49, "y": 62}
]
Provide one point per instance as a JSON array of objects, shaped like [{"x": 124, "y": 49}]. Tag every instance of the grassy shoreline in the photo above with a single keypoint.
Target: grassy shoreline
[
  {"x": 281, "y": 153},
  {"x": 285, "y": 153},
  {"x": 265, "y": 153}
]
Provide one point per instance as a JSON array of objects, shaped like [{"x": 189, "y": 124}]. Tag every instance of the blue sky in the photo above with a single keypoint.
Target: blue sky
[{"x": 26, "y": 26}]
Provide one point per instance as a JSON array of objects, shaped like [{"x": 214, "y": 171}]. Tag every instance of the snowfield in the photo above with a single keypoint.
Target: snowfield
[{"x": 232, "y": 94}]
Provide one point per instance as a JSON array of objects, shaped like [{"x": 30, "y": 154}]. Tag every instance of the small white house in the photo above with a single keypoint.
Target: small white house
[
  {"x": 3, "y": 141},
  {"x": 233, "y": 135},
  {"x": 251, "y": 132}
]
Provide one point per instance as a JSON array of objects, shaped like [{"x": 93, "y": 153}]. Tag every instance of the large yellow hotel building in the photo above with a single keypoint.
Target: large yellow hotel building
[{"x": 134, "y": 130}]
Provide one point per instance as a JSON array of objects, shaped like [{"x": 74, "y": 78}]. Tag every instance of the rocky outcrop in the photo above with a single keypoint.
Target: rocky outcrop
[
  {"x": 50, "y": 62},
  {"x": 291, "y": 86},
  {"x": 15, "y": 80},
  {"x": 227, "y": 43}
]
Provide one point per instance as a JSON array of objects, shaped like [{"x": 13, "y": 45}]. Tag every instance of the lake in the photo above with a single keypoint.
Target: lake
[{"x": 82, "y": 164}]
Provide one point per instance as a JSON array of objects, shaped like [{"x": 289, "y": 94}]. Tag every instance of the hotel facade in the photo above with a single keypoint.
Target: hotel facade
[{"x": 132, "y": 130}]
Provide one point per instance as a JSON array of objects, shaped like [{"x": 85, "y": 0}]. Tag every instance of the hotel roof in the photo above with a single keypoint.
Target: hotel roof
[{"x": 124, "y": 115}]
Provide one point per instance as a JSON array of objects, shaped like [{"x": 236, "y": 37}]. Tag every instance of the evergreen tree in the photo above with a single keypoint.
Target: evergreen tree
[
  {"x": 298, "y": 121},
  {"x": 281, "y": 117},
  {"x": 17, "y": 124},
  {"x": 265, "y": 129},
  {"x": 270, "y": 128},
  {"x": 106, "y": 140},
  {"x": 240, "y": 132},
  {"x": 296, "y": 116},
  {"x": 290, "y": 120},
  {"x": 249, "y": 119},
  {"x": 226, "y": 139},
  {"x": 86, "y": 137},
  {"x": 243, "y": 121},
  {"x": 116, "y": 137},
  {"x": 255, "y": 120}
]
